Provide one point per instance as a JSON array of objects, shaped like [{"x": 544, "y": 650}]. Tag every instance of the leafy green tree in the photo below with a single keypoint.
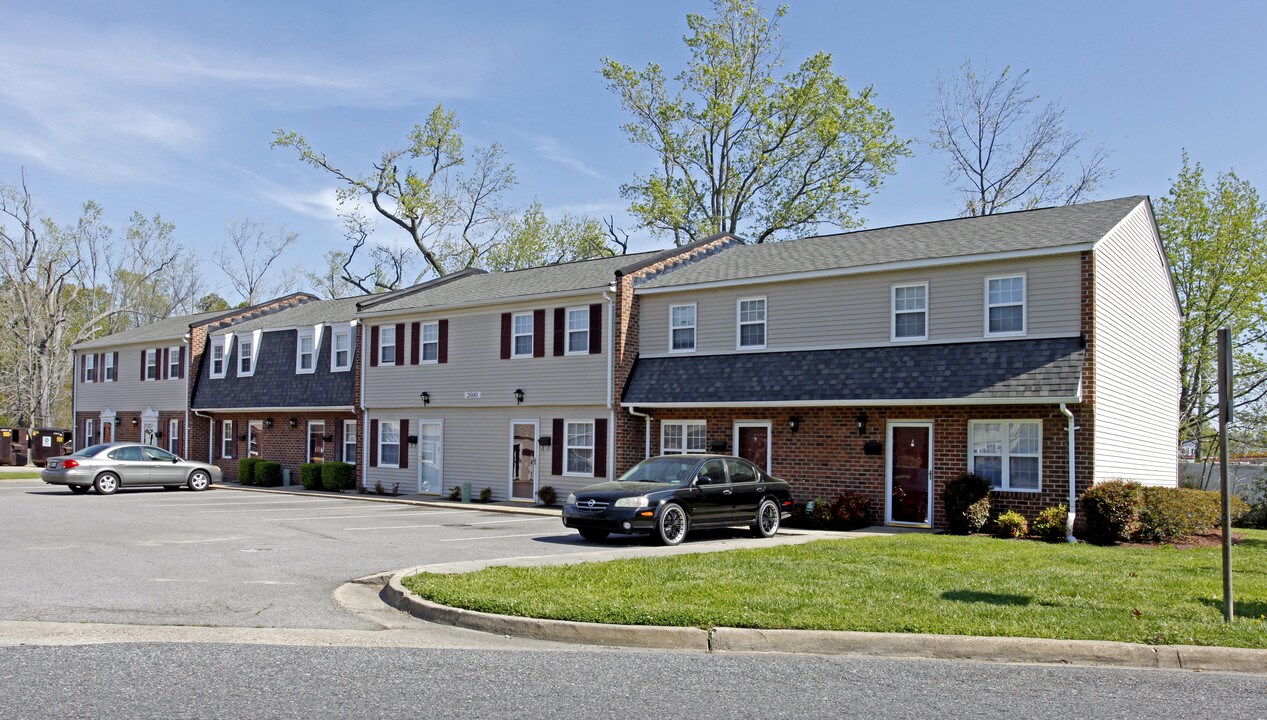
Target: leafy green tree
[
  {"x": 533, "y": 240},
  {"x": 740, "y": 150},
  {"x": 1216, "y": 242},
  {"x": 211, "y": 302}
]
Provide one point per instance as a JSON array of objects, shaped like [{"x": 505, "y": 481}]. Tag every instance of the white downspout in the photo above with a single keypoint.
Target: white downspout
[
  {"x": 1073, "y": 491},
  {"x": 211, "y": 435},
  {"x": 646, "y": 425},
  {"x": 611, "y": 378},
  {"x": 74, "y": 400}
]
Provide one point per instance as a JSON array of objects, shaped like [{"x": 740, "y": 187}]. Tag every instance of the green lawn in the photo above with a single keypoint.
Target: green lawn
[
  {"x": 20, "y": 475},
  {"x": 914, "y": 583}
]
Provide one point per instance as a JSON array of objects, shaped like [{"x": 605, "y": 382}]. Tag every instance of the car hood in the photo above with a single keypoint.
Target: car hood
[{"x": 623, "y": 489}]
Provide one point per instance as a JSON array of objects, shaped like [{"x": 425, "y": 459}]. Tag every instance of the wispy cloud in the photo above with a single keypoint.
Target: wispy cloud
[{"x": 552, "y": 149}]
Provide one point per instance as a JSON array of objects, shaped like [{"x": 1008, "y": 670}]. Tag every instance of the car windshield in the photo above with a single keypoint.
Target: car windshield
[
  {"x": 667, "y": 470},
  {"x": 91, "y": 450}
]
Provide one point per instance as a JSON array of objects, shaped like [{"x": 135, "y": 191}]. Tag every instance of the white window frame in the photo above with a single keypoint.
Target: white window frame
[
  {"x": 1005, "y": 479},
  {"x": 108, "y": 371},
  {"x": 173, "y": 362},
  {"x": 383, "y": 332},
  {"x": 680, "y": 428},
  {"x": 765, "y": 324},
  {"x": 90, "y": 367},
  {"x": 568, "y": 447},
  {"x": 310, "y": 336},
  {"x": 253, "y": 353},
  {"x": 173, "y": 435},
  {"x": 894, "y": 312},
  {"x": 151, "y": 363},
  {"x": 692, "y": 327},
  {"x": 349, "y": 440},
  {"x": 515, "y": 334},
  {"x": 344, "y": 334},
  {"x": 90, "y": 429},
  {"x": 1024, "y": 305},
  {"x": 226, "y": 440},
  {"x": 382, "y": 434},
  {"x": 220, "y": 345},
  {"x": 569, "y": 331},
  {"x": 423, "y": 342}
]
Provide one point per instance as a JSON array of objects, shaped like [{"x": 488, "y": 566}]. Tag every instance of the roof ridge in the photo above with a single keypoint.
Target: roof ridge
[{"x": 427, "y": 285}]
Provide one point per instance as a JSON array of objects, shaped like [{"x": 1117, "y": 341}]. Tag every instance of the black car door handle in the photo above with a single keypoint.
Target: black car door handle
[{"x": 760, "y": 488}]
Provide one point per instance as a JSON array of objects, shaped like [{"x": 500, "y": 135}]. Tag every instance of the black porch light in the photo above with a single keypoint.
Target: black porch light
[
  {"x": 862, "y": 423},
  {"x": 794, "y": 423},
  {"x": 135, "y": 421},
  {"x": 294, "y": 423},
  {"x": 268, "y": 423},
  {"x": 519, "y": 396},
  {"x": 426, "y": 398}
]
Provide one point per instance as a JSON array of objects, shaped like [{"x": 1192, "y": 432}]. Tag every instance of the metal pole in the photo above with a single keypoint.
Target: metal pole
[{"x": 1225, "y": 419}]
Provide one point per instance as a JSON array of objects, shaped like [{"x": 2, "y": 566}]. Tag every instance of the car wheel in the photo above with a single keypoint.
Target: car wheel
[
  {"x": 767, "y": 522},
  {"x": 199, "y": 480},
  {"x": 106, "y": 483},
  {"x": 672, "y": 525},
  {"x": 594, "y": 534},
  {"x": 79, "y": 489}
]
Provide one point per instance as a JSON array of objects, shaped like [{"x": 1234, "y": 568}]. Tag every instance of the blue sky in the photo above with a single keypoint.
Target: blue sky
[{"x": 169, "y": 107}]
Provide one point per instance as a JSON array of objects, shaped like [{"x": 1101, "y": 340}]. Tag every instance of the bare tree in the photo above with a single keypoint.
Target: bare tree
[
  {"x": 249, "y": 258},
  {"x": 1006, "y": 150}
]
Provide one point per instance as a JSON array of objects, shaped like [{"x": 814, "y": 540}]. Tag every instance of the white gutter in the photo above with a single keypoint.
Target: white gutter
[
  {"x": 646, "y": 424},
  {"x": 211, "y": 435},
  {"x": 189, "y": 358},
  {"x": 364, "y": 418},
  {"x": 949, "y": 402},
  {"x": 74, "y": 399},
  {"x": 611, "y": 378},
  {"x": 1073, "y": 491}
]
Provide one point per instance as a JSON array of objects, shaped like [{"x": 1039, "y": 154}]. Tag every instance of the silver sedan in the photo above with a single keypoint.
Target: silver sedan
[{"x": 107, "y": 467}]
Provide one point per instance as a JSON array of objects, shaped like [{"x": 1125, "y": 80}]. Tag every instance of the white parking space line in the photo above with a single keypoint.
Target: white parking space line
[
  {"x": 334, "y": 517},
  {"x": 257, "y": 510},
  {"x": 400, "y": 527},
  {"x": 157, "y": 543},
  {"x": 490, "y": 537},
  {"x": 178, "y": 503}
]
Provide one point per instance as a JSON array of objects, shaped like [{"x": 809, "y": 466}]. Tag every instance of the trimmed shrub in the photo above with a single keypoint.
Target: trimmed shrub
[
  {"x": 1167, "y": 513},
  {"x": 815, "y": 514},
  {"x": 960, "y": 494},
  {"x": 486, "y": 495},
  {"x": 1050, "y": 523},
  {"x": 1011, "y": 524},
  {"x": 310, "y": 476},
  {"x": 268, "y": 474},
  {"x": 336, "y": 476},
  {"x": 977, "y": 515},
  {"x": 455, "y": 492},
  {"x": 546, "y": 494},
  {"x": 1111, "y": 510},
  {"x": 851, "y": 511},
  {"x": 246, "y": 470}
]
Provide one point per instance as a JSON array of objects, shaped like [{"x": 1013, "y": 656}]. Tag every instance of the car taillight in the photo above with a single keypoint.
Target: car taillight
[{"x": 70, "y": 464}]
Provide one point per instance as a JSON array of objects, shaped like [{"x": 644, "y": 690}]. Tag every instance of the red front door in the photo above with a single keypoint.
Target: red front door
[{"x": 754, "y": 445}]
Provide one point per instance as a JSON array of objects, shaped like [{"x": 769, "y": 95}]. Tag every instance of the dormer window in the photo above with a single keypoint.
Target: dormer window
[
  {"x": 218, "y": 346},
  {"x": 306, "y": 353},
  {"x": 341, "y": 353}
]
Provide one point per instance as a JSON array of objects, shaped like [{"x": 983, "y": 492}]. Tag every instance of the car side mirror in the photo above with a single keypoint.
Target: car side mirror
[
  {"x": 175, "y": 460},
  {"x": 703, "y": 480}
]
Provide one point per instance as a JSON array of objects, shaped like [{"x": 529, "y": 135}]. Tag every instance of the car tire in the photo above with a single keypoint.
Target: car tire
[
  {"x": 593, "y": 534},
  {"x": 766, "y": 524},
  {"x": 106, "y": 483},
  {"x": 199, "y": 480},
  {"x": 78, "y": 489},
  {"x": 672, "y": 525}
]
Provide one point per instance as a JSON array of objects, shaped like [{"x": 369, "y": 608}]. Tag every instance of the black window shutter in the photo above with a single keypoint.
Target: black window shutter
[
  {"x": 505, "y": 336},
  {"x": 600, "y": 447},
  {"x": 373, "y": 448},
  {"x": 443, "y": 354},
  {"x": 404, "y": 443},
  {"x": 560, "y": 331},
  {"x": 596, "y": 328},
  {"x": 556, "y": 459},
  {"x": 538, "y": 333},
  {"x": 414, "y": 329}
]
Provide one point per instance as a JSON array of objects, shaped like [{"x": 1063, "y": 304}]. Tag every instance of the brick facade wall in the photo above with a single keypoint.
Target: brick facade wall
[
  {"x": 281, "y": 443},
  {"x": 125, "y": 431}
]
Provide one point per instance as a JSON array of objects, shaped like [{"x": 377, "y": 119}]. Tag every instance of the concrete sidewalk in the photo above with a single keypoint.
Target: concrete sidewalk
[{"x": 517, "y": 508}]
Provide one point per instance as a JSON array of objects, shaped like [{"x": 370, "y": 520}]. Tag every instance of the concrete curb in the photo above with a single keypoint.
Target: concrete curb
[
  {"x": 482, "y": 507},
  {"x": 1094, "y": 653}
]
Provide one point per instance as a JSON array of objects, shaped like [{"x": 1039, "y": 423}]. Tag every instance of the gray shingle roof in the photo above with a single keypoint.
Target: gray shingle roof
[
  {"x": 1006, "y": 232},
  {"x": 998, "y": 370},
  {"x": 582, "y": 275},
  {"x": 170, "y": 329},
  {"x": 305, "y": 314}
]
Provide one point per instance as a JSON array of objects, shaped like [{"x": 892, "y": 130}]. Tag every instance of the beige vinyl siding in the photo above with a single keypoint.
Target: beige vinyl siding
[
  {"x": 855, "y": 310},
  {"x": 129, "y": 392},
  {"x": 476, "y": 447},
  {"x": 475, "y": 364},
  {"x": 1136, "y": 357}
]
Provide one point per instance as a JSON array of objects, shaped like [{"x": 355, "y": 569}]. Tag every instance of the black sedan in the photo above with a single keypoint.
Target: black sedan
[{"x": 668, "y": 496}]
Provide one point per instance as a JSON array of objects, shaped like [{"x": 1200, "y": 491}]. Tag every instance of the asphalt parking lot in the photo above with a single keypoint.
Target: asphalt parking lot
[{"x": 230, "y": 558}]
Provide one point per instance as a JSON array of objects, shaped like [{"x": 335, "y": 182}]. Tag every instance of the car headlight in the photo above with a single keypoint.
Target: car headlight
[
  {"x": 640, "y": 501},
  {"x": 571, "y": 499}
]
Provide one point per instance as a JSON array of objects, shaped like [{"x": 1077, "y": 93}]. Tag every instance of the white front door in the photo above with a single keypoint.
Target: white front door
[
  {"x": 523, "y": 459},
  {"x": 430, "y": 456}
]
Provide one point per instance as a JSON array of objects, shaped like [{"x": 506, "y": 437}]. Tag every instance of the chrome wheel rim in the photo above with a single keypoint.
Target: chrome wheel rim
[
  {"x": 673, "y": 524},
  {"x": 107, "y": 483},
  {"x": 769, "y": 518},
  {"x": 198, "y": 481}
]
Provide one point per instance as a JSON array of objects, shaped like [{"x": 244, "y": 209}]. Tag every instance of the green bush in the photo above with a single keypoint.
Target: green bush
[
  {"x": 246, "y": 470},
  {"x": 1050, "y": 523},
  {"x": 960, "y": 494},
  {"x": 310, "y": 476},
  {"x": 486, "y": 495},
  {"x": 455, "y": 492},
  {"x": 1168, "y": 513},
  {"x": 851, "y": 511},
  {"x": 815, "y": 514},
  {"x": 1011, "y": 524},
  {"x": 1111, "y": 510},
  {"x": 336, "y": 476},
  {"x": 977, "y": 515},
  {"x": 546, "y": 494},
  {"x": 268, "y": 474}
]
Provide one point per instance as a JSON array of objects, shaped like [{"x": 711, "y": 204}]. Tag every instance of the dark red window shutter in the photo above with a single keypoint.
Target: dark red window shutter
[
  {"x": 414, "y": 332},
  {"x": 538, "y": 333},
  {"x": 373, "y": 448},
  {"x": 596, "y": 328},
  {"x": 443, "y": 354},
  {"x": 556, "y": 458},
  {"x": 404, "y": 443},
  {"x": 233, "y": 452},
  {"x": 374, "y": 346},
  {"x": 83, "y": 368},
  {"x": 142, "y": 366},
  {"x": 505, "y": 336},
  {"x": 400, "y": 344},
  {"x": 116, "y": 364},
  {"x": 163, "y": 372},
  {"x": 560, "y": 330},
  {"x": 600, "y": 446},
  {"x": 180, "y": 438},
  {"x": 181, "y": 361}
]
